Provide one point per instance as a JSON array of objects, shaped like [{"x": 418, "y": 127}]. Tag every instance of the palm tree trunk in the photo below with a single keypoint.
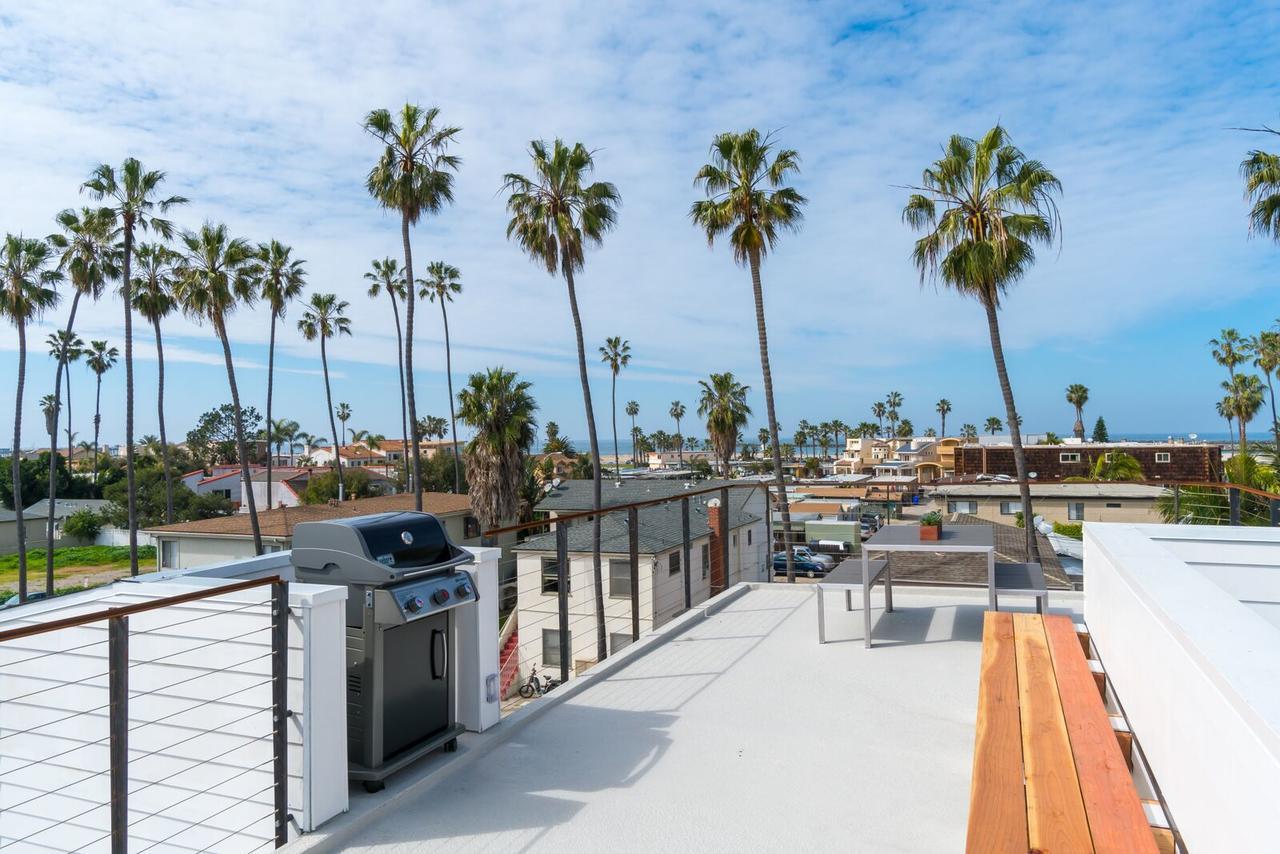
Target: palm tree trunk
[
  {"x": 602, "y": 646},
  {"x": 613, "y": 412},
  {"x": 97, "y": 426},
  {"x": 404, "y": 417},
  {"x": 166, "y": 458},
  {"x": 943, "y": 434},
  {"x": 1015, "y": 432},
  {"x": 635, "y": 458},
  {"x": 271, "y": 427},
  {"x": 453, "y": 421},
  {"x": 126, "y": 272},
  {"x": 680, "y": 449},
  {"x": 408, "y": 363},
  {"x": 758, "y": 293},
  {"x": 16, "y": 461},
  {"x": 53, "y": 443},
  {"x": 242, "y": 446},
  {"x": 1275, "y": 426},
  {"x": 333, "y": 426}
]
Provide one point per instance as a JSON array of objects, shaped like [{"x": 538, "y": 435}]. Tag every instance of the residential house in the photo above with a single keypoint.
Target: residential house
[
  {"x": 189, "y": 544},
  {"x": 1178, "y": 461},
  {"x": 661, "y": 574},
  {"x": 1056, "y": 502},
  {"x": 35, "y": 518},
  {"x": 674, "y": 459}
]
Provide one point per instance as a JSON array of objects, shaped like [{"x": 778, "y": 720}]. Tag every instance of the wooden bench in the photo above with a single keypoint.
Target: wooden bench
[{"x": 1048, "y": 773}]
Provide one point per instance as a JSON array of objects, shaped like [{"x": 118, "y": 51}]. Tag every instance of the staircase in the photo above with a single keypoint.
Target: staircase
[{"x": 509, "y": 662}]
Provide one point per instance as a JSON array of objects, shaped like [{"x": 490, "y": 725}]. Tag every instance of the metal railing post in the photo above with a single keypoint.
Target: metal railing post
[
  {"x": 633, "y": 547},
  {"x": 688, "y": 564},
  {"x": 1177, "y": 504},
  {"x": 1233, "y": 502},
  {"x": 562, "y": 595},
  {"x": 280, "y": 706},
  {"x": 1275, "y": 512},
  {"x": 118, "y": 725},
  {"x": 724, "y": 535}
]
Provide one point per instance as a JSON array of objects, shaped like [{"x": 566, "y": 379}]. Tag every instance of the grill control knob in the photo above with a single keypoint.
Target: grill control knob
[
  {"x": 464, "y": 590},
  {"x": 440, "y": 596},
  {"x": 414, "y": 604}
]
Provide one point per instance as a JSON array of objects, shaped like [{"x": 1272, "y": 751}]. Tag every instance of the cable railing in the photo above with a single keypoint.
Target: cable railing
[
  {"x": 161, "y": 728},
  {"x": 1207, "y": 503}
]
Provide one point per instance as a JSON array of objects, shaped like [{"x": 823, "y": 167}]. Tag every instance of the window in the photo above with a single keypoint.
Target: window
[
  {"x": 619, "y": 641},
  {"x": 673, "y": 563},
  {"x": 1075, "y": 511},
  {"x": 551, "y": 647},
  {"x": 970, "y": 507},
  {"x": 706, "y": 559},
  {"x": 620, "y": 579},
  {"x": 169, "y": 554},
  {"x": 1069, "y": 457},
  {"x": 551, "y": 577},
  {"x": 1162, "y": 456},
  {"x": 470, "y": 528},
  {"x": 1113, "y": 504},
  {"x": 1010, "y": 508},
  {"x": 748, "y": 536}
]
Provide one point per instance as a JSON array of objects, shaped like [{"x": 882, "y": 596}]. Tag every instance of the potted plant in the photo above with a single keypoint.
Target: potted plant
[{"x": 931, "y": 526}]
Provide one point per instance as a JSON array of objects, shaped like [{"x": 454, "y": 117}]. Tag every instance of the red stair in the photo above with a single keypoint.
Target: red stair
[{"x": 510, "y": 661}]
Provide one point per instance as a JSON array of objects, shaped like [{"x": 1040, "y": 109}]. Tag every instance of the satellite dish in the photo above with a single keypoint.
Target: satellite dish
[
  {"x": 1192, "y": 436},
  {"x": 1031, "y": 475},
  {"x": 556, "y": 483}
]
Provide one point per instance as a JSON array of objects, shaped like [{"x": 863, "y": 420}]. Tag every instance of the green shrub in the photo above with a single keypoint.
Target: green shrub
[
  {"x": 933, "y": 517},
  {"x": 1074, "y": 530},
  {"x": 84, "y": 524}
]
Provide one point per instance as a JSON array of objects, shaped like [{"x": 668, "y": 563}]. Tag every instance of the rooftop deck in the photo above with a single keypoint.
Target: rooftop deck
[{"x": 730, "y": 733}]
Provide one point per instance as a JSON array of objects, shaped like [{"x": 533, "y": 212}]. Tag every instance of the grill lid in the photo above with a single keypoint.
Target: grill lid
[{"x": 378, "y": 549}]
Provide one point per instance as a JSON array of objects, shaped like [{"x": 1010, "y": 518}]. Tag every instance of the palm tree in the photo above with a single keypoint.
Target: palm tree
[
  {"x": 1244, "y": 397},
  {"x": 1266, "y": 351},
  {"x": 969, "y": 432},
  {"x": 413, "y": 176},
  {"x": 723, "y": 403},
  {"x": 100, "y": 358},
  {"x": 633, "y": 409},
  {"x": 996, "y": 204},
  {"x": 325, "y": 318},
  {"x": 153, "y": 298},
  {"x": 442, "y": 282},
  {"x": 1229, "y": 349},
  {"x": 280, "y": 279},
  {"x": 216, "y": 276},
  {"x": 906, "y": 429},
  {"x": 762, "y": 438},
  {"x": 385, "y": 276},
  {"x": 616, "y": 353},
  {"x": 748, "y": 201},
  {"x": 26, "y": 292},
  {"x": 993, "y": 426},
  {"x": 1261, "y": 173},
  {"x": 285, "y": 432},
  {"x": 554, "y": 217},
  {"x": 943, "y": 408},
  {"x": 878, "y": 412},
  {"x": 344, "y": 415},
  {"x": 1224, "y": 410},
  {"x": 892, "y": 403},
  {"x": 1116, "y": 465},
  {"x": 134, "y": 203},
  {"x": 1078, "y": 396},
  {"x": 676, "y": 412},
  {"x": 498, "y": 408},
  {"x": 69, "y": 348}
]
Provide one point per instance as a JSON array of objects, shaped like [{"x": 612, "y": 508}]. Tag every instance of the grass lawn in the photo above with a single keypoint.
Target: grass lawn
[{"x": 69, "y": 562}]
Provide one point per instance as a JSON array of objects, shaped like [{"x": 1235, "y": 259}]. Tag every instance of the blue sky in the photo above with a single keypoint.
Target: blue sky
[{"x": 254, "y": 110}]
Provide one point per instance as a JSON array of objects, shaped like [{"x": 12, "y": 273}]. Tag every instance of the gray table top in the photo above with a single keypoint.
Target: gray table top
[
  {"x": 850, "y": 571},
  {"x": 955, "y": 536}
]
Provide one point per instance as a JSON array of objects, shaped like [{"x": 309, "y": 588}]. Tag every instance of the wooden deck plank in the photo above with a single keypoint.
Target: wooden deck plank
[
  {"x": 1117, "y": 822},
  {"x": 997, "y": 805},
  {"x": 1056, "y": 819}
]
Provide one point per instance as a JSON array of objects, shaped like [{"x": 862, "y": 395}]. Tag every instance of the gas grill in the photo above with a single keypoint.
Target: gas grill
[{"x": 404, "y": 587}]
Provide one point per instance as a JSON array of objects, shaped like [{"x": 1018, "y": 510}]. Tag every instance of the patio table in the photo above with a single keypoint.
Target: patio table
[{"x": 866, "y": 572}]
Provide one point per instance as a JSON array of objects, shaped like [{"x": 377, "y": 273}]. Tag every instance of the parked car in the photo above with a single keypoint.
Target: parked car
[
  {"x": 866, "y": 530},
  {"x": 34, "y": 596},
  {"x": 806, "y": 553},
  {"x": 872, "y": 520},
  {"x": 803, "y": 566}
]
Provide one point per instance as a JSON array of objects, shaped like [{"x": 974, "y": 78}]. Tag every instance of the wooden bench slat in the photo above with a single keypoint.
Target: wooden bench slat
[
  {"x": 1056, "y": 819},
  {"x": 997, "y": 806},
  {"x": 1117, "y": 822}
]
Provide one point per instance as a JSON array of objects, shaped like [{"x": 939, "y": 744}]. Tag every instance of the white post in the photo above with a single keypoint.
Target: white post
[
  {"x": 479, "y": 705},
  {"x": 317, "y": 628}
]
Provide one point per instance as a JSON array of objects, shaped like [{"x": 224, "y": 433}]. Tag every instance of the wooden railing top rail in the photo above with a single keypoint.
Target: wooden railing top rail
[{"x": 136, "y": 608}]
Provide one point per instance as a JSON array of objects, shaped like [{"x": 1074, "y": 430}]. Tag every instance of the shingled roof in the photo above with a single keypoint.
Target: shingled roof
[
  {"x": 957, "y": 567},
  {"x": 661, "y": 529},
  {"x": 280, "y": 521}
]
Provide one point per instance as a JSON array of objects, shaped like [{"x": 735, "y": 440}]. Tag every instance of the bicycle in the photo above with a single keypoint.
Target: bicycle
[{"x": 536, "y": 686}]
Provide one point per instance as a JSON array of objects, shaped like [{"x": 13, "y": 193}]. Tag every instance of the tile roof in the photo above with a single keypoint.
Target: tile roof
[
  {"x": 65, "y": 507},
  {"x": 956, "y": 567},
  {"x": 280, "y": 521}
]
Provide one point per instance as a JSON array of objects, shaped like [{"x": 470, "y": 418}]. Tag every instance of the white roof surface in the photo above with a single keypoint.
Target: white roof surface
[{"x": 739, "y": 733}]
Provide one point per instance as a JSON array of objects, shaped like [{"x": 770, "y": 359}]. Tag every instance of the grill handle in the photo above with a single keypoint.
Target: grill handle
[{"x": 439, "y": 672}]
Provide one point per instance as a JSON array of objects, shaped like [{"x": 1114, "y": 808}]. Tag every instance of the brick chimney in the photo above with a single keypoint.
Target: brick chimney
[{"x": 717, "y": 548}]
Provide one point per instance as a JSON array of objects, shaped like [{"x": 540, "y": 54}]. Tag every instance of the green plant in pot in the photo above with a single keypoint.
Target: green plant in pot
[{"x": 931, "y": 526}]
